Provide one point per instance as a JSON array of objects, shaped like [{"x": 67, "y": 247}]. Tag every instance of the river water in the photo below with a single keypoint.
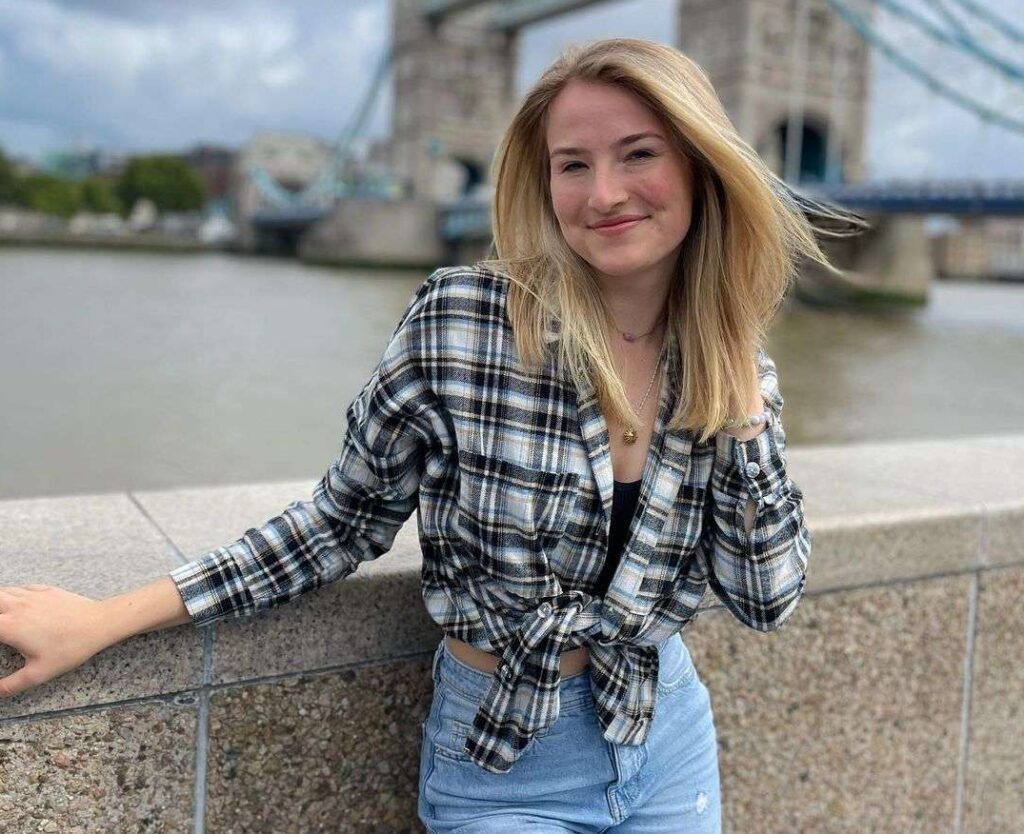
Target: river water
[{"x": 124, "y": 371}]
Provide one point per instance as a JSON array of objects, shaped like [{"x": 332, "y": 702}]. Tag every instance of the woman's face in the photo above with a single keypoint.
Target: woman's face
[{"x": 596, "y": 176}]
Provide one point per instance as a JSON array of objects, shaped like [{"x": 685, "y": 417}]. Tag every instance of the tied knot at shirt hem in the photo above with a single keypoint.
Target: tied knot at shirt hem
[{"x": 523, "y": 698}]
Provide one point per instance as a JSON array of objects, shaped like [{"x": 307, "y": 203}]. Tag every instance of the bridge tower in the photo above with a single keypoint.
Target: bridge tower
[
  {"x": 777, "y": 63},
  {"x": 454, "y": 91}
]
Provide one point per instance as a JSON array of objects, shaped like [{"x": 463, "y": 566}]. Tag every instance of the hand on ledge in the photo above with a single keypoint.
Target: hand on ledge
[{"x": 53, "y": 629}]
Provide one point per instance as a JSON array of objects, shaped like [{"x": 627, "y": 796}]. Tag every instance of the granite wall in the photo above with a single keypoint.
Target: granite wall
[{"x": 891, "y": 701}]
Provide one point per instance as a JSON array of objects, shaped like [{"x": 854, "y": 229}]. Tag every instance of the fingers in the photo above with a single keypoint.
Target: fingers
[
  {"x": 13, "y": 591},
  {"x": 9, "y": 598},
  {"x": 6, "y": 600},
  {"x": 18, "y": 682}
]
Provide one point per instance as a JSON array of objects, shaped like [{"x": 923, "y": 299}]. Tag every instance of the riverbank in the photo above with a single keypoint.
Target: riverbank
[
  {"x": 136, "y": 242},
  {"x": 157, "y": 242}
]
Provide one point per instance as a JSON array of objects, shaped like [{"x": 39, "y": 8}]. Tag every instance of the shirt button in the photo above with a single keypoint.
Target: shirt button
[
  {"x": 545, "y": 610},
  {"x": 753, "y": 468}
]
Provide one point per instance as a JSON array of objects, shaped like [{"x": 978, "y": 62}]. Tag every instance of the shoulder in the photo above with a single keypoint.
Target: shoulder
[
  {"x": 465, "y": 290},
  {"x": 464, "y": 279},
  {"x": 453, "y": 312}
]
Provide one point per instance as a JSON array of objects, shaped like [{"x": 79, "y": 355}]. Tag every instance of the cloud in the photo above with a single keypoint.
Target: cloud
[
  {"x": 915, "y": 132},
  {"x": 216, "y": 73},
  {"x": 541, "y": 43},
  {"x": 163, "y": 74}
]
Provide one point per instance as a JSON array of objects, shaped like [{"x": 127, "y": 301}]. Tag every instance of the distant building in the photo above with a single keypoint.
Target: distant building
[
  {"x": 143, "y": 216},
  {"x": 88, "y": 223},
  {"x": 218, "y": 229},
  {"x": 80, "y": 163},
  {"x": 379, "y": 153},
  {"x": 19, "y": 222},
  {"x": 213, "y": 164},
  {"x": 985, "y": 247},
  {"x": 276, "y": 161}
]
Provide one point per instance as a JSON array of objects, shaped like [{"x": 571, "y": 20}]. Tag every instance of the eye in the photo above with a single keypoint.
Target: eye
[{"x": 568, "y": 167}]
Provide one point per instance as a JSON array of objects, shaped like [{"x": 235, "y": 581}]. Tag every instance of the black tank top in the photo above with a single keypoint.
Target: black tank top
[{"x": 624, "y": 501}]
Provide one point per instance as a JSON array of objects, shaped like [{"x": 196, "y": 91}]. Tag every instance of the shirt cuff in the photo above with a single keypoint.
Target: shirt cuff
[
  {"x": 211, "y": 587},
  {"x": 756, "y": 466}
]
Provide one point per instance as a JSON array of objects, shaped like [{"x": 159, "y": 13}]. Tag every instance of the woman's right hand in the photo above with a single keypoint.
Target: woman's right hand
[{"x": 53, "y": 629}]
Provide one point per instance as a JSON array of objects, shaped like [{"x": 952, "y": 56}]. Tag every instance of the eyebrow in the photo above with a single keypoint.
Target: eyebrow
[{"x": 625, "y": 140}]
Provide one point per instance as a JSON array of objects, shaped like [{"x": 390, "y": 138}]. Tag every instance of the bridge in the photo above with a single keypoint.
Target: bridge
[
  {"x": 452, "y": 63},
  {"x": 471, "y": 217}
]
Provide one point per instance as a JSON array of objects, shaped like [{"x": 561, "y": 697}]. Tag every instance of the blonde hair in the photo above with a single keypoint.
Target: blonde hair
[{"x": 747, "y": 234}]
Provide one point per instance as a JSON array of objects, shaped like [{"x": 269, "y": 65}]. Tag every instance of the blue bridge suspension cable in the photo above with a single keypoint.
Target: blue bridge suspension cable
[
  {"x": 998, "y": 23},
  {"x": 959, "y": 38},
  {"x": 863, "y": 28}
]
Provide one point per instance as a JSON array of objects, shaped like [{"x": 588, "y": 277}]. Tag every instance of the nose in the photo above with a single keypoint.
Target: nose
[{"x": 606, "y": 191}]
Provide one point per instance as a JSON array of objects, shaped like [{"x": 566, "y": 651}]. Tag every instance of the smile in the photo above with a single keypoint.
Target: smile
[{"x": 618, "y": 228}]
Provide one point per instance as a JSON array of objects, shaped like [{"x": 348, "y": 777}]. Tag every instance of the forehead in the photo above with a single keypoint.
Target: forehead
[{"x": 587, "y": 112}]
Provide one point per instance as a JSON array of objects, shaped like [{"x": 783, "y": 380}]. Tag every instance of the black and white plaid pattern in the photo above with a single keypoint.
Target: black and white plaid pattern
[{"x": 512, "y": 477}]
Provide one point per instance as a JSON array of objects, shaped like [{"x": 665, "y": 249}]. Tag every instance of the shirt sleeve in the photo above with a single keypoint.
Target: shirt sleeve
[
  {"x": 359, "y": 505},
  {"x": 759, "y": 576}
]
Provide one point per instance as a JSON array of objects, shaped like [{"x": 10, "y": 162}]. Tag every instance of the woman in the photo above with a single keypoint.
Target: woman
[{"x": 589, "y": 428}]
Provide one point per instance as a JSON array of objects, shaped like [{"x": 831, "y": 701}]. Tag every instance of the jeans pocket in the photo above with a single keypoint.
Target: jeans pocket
[
  {"x": 679, "y": 673},
  {"x": 450, "y": 740},
  {"x": 453, "y": 723}
]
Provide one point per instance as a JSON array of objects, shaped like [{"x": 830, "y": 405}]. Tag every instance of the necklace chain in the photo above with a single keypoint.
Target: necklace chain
[{"x": 629, "y": 436}]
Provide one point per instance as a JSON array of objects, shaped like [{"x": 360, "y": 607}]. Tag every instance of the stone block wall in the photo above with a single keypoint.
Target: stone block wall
[{"x": 892, "y": 700}]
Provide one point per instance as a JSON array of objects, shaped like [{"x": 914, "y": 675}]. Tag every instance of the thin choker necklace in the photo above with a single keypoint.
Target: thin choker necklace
[
  {"x": 629, "y": 436},
  {"x": 630, "y": 336}
]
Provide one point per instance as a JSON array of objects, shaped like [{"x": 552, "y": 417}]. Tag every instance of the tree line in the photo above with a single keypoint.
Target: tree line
[{"x": 170, "y": 182}]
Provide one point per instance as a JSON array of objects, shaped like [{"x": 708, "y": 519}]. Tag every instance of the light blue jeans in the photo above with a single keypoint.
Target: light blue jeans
[{"x": 570, "y": 778}]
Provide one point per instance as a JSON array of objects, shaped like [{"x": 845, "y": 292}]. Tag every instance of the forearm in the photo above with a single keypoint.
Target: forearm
[
  {"x": 296, "y": 551},
  {"x": 757, "y": 544},
  {"x": 147, "y": 608}
]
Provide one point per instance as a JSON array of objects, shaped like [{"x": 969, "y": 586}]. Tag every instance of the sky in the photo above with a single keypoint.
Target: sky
[{"x": 143, "y": 75}]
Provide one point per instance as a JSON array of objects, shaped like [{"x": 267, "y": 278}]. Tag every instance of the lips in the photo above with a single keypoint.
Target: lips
[
  {"x": 617, "y": 221},
  {"x": 619, "y": 228}
]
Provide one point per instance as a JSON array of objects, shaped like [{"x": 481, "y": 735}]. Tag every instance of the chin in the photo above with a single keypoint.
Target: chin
[{"x": 618, "y": 268}]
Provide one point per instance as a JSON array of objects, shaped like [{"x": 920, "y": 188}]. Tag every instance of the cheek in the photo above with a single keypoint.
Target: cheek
[
  {"x": 565, "y": 205},
  {"x": 673, "y": 200},
  {"x": 661, "y": 192}
]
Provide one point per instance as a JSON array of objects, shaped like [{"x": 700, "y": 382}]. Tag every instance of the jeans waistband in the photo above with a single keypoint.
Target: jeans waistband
[{"x": 574, "y": 692}]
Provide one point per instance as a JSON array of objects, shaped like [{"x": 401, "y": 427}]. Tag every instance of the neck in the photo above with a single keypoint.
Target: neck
[{"x": 636, "y": 305}]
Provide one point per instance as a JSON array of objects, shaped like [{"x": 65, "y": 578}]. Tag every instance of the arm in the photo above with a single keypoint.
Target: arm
[
  {"x": 147, "y": 608},
  {"x": 755, "y": 545},
  {"x": 358, "y": 507},
  {"x": 56, "y": 630}
]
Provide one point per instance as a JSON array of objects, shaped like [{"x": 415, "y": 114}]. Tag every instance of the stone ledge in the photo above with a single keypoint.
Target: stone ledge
[
  {"x": 877, "y": 514},
  {"x": 889, "y": 699}
]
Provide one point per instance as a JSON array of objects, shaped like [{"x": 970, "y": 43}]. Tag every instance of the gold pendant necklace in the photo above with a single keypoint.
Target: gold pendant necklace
[{"x": 629, "y": 436}]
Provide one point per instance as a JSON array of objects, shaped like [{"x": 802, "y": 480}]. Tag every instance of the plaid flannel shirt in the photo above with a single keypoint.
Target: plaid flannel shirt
[{"x": 512, "y": 477}]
